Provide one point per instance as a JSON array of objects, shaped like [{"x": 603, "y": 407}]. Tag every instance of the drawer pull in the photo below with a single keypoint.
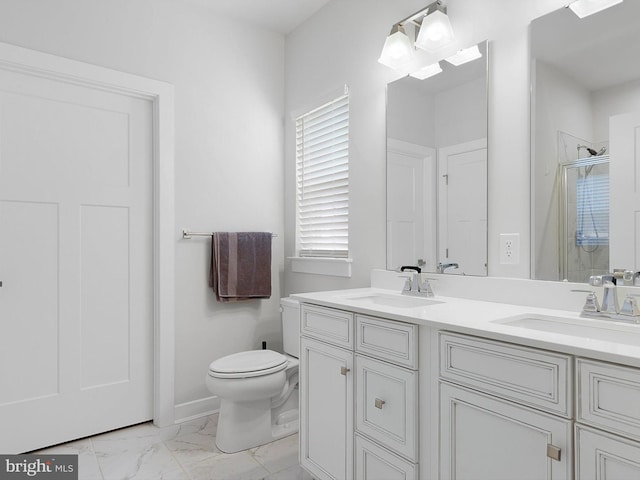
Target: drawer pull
[
  {"x": 344, "y": 370},
  {"x": 553, "y": 452},
  {"x": 379, "y": 403}
]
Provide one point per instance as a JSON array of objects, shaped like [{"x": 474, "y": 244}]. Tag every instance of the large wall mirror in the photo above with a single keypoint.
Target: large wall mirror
[
  {"x": 585, "y": 143},
  {"x": 437, "y": 170}
]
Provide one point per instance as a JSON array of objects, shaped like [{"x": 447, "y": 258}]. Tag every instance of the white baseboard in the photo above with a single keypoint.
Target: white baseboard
[{"x": 196, "y": 408}]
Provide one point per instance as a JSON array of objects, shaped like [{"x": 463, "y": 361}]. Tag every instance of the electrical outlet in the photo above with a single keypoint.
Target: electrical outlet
[{"x": 509, "y": 248}]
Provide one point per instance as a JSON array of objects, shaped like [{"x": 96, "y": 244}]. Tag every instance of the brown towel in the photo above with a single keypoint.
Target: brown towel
[{"x": 240, "y": 265}]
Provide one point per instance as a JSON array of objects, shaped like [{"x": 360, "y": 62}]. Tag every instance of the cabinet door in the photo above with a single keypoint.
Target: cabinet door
[
  {"x": 376, "y": 463},
  {"x": 601, "y": 456},
  {"x": 486, "y": 438},
  {"x": 387, "y": 405},
  {"x": 326, "y": 410}
]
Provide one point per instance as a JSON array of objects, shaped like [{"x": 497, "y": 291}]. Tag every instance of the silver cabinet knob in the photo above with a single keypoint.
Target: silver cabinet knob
[
  {"x": 344, "y": 370},
  {"x": 379, "y": 403},
  {"x": 553, "y": 452}
]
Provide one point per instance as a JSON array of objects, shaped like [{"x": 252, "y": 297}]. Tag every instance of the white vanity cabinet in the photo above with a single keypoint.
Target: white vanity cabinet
[
  {"x": 608, "y": 421},
  {"x": 386, "y": 400},
  {"x": 505, "y": 411},
  {"x": 326, "y": 393},
  {"x": 358, "y": 396}
]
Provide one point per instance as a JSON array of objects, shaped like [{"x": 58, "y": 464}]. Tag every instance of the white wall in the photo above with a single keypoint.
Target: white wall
[
  {"x": 341, "y": 44},
  {"x": 461, "y": 113},
  {"x": 410, "y": 113},
  {"x": 612, "y": 101},
  {"x": 229, "y": 97}
]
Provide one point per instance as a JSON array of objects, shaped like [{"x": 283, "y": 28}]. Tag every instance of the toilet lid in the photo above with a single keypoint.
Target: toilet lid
[{"x": 252, "y": 363}]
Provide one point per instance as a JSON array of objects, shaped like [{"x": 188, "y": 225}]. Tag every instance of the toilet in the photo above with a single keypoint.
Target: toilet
[{"x": 258, "y": 389}]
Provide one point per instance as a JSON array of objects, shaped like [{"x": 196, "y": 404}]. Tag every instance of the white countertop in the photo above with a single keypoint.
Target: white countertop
[{"x": 482, "y": 318}]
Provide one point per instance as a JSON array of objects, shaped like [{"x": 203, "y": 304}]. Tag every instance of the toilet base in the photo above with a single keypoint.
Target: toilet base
[{"x": 245, "y": 425}]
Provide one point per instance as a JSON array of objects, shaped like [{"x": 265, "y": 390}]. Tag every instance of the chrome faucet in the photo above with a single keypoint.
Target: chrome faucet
[
  {"x": 629, "y": 312},
  {"x": 443, "y": 266},
  {"x": 416, "y": 284},
  {"x": 610, "y": 297}
]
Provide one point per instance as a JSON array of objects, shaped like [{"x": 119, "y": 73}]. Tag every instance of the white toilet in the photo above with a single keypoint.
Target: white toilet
[{"x": 258, "y": 389}]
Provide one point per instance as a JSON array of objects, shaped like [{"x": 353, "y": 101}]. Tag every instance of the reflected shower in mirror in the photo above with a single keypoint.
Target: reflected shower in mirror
[
  {"x": 437, "y": 170},
  {"x": 585, "y": 111}
]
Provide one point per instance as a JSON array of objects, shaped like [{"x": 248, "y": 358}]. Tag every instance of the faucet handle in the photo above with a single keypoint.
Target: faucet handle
[
  {"x": 630, "y": 307},
  {"x": 591, "y": 304},
  {"x": 407, "y": 283}
]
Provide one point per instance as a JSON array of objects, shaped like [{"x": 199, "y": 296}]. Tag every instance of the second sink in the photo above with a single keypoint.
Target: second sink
[{"x": 603, "y": 330}]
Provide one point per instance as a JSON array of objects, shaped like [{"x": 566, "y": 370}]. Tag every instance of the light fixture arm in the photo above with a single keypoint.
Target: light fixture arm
[{"x": 416, "y": 18}]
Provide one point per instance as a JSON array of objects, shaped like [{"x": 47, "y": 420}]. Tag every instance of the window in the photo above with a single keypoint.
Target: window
[
  {"x": 592, "y": 209},
  {"x": 322, "y": 164}
]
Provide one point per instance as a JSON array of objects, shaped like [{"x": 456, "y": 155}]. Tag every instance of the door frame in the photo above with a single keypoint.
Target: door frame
[{"x": 161, "y": 95}]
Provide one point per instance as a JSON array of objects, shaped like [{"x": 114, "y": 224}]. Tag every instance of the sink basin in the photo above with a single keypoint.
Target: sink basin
[
  {"x": 592, "y": 329},
  {"x": 389, "y": 300}
]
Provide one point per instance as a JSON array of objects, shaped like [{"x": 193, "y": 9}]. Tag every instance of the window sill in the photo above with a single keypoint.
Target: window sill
[{"x": 336, "y": 267}]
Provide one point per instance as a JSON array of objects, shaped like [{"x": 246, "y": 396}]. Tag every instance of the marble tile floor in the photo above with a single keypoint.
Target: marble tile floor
[{"x": 180, "y": 452}]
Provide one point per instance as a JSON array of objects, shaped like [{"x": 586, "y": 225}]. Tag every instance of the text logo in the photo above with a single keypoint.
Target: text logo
[{"x": 49, "y": 467}]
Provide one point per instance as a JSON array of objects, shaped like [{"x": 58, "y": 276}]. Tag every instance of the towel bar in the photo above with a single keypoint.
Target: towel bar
[{"x": 186, "y": 234}]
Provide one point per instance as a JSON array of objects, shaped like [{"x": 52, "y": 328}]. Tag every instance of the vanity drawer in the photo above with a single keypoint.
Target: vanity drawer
[
  {"x": 387, "y": 405},
  {"x": 609, "y": 397},
  {"x": 328, "y": 324},
  {"x": 525, "y": 375},
  {"x": 396, "y": 342},
  {"x": 376, "y": 463}
]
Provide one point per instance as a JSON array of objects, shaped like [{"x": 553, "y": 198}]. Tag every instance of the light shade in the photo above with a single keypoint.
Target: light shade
[
  {"x": 435, "y": 31},
  {"x": 464, "y": 56},
  {"x": 428, "y": 71},
  {"x": 584, "y": 8},
  {"x": 397, "y": 50}
]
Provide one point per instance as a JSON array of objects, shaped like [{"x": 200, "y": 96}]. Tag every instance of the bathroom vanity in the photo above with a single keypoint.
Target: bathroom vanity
[{"x": 400, "y": 387}]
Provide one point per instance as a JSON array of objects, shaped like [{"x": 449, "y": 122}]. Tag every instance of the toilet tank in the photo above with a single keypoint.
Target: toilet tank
[{"x": 290, "y": 309}]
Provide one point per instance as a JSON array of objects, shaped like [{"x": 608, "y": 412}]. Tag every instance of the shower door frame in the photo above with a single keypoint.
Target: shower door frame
[{"x": 563, "y": 208}]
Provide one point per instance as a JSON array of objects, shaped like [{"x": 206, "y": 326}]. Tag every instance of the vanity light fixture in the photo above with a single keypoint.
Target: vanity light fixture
[
  {"x": 435, "y": 29},
  {"x": 464, "y": 56},
  {"x": 398, "y": 49},
  {"x": 584, "y": 8},
  {"x": 434, "y": 32},
  {"x": 428, "y": 71}
]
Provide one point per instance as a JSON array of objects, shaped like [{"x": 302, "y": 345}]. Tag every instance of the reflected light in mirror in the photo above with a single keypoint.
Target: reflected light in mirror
[
  {"x": 428, "y": 71},
  {"x": 464, "y": 56},
  {"x": 584, "y": 8}
]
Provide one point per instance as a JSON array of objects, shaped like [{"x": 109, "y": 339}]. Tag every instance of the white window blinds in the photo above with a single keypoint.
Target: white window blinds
[
  {"x": 322, "y": 159},
  {"x": 592, "y": 210}
]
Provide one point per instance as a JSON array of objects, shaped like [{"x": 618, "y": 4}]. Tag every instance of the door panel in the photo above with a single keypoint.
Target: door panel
[
  {"x": 483, "y": 438},
  {"x": 624, "y": 191},
  {"x": 75, "y": 260},
  {"x": 462, "y": 209}
]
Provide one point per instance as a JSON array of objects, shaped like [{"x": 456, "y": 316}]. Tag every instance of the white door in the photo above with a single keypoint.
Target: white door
[
  {"x": 326, "y": 410},
  {"x": 624, "y": 191},
  {"x": 76, "y": 325},
  {"x": 483, "y": 438},
  {"x": 411, "y": 205},
  {"x": 462, "y": 207}
]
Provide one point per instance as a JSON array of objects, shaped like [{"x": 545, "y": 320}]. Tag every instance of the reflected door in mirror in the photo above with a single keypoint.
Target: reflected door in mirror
[{"x": 462, "y": 211}]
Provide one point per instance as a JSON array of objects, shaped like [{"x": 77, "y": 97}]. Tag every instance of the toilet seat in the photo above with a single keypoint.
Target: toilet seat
[{"x": 253, "y": 363}]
